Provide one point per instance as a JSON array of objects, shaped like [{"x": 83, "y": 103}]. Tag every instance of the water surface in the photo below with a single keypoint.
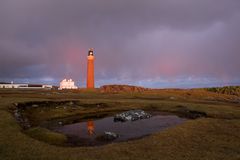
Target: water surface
[{"x": 86, "y": 133}]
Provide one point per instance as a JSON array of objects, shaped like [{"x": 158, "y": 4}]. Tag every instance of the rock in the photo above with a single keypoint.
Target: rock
[
  {"x": 23, "y": 121},
  {"x": 70, "y": 103},
  {"x": 35, "y": 105},
  {"x": 131, "y": 115},
  {"x": 172, "y": 98},
  {"x": 17, "y": 115},
  {"x": 121, "y": 88},
  {"x": 109, "y": 136}
]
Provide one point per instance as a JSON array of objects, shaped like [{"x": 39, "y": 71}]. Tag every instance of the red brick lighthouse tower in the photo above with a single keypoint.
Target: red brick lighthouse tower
[{"x": 90, "y": 69}]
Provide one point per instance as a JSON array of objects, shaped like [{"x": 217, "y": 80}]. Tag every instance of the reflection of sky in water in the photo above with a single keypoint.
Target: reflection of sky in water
[{"x": 126, "y": 130}]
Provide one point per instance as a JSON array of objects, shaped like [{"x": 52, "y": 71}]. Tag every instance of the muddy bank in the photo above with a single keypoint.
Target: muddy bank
[
  {"x": 22, "y": 111},
  {"x": 183, "y": 111},
  {"x": 101, "y": 114},
  {"x": 91, "y": 111}
]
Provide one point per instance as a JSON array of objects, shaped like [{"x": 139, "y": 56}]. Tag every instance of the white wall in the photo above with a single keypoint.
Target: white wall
[
  {"x": 67, "y": 84},
  {"x": 24, "y": 86}
]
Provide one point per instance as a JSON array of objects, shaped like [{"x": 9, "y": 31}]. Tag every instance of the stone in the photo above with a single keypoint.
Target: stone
[
  {"x": 122, "y": 88},
  {"x": 70, "y": 103},
  {"x": 131, "y": 115},
  {"x": 110, "y": 136},
  {"x": 35, "y": 105}
]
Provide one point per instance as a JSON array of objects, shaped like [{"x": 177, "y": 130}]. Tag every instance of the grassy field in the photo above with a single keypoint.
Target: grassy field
[
  {"x": 231, "y": 90},
  {"x": 216, "y": 136}
]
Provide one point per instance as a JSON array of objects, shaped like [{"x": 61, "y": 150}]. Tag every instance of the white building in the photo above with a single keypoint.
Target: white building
[
  {"x": 67, "y": 84},
  {"x": 11, "y": 85},
  {"x": 24, "y": 86}
]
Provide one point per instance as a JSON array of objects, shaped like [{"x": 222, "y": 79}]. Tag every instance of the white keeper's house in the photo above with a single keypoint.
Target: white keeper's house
[{"x": 67, "y": 84}]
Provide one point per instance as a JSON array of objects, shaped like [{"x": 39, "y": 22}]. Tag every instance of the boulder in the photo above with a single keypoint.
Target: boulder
[
  {"x": 110, "y": 136},
  {"x": 107, "y": 136},
  {"x": 131, "y": 115},
  {"x": 121, "y": 88}
]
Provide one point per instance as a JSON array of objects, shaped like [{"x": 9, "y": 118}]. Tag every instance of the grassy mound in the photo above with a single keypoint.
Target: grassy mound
[{"x": 46, "y": 135}]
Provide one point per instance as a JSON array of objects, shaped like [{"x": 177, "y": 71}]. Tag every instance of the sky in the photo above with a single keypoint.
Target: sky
[{"x": 150, "y": 43}]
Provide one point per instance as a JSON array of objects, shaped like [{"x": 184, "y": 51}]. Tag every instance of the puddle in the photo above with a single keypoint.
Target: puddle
[{"x": 87, "y": 133}]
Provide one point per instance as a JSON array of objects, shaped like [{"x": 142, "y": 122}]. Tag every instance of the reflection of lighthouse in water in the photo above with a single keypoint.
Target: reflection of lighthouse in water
[
  {"x": 90, "y": 69},
  {"x": 90, "y": 128}
]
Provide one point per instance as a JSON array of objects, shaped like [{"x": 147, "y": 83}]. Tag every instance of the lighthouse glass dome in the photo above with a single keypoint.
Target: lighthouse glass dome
[{"x": 90, "y": 52}]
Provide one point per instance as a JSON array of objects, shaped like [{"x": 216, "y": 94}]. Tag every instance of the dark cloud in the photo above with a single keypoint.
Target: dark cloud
[{"x": 149, "y": 42}]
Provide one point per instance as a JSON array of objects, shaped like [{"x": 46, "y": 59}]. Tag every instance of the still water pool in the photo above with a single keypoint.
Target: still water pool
[{"x": 87, "y": 133}]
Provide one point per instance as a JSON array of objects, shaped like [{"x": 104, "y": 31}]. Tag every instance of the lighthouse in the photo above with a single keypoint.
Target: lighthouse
[{"x": 90, "y": 69}]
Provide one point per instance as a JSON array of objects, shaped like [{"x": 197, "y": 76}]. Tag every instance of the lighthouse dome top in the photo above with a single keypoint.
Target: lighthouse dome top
[{"x": 90, "y": 52}]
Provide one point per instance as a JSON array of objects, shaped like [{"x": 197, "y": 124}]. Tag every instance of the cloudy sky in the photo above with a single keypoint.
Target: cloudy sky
[{"x": 152, "y": 43}]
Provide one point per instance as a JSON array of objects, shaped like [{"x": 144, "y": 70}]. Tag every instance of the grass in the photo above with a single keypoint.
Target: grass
[
  {"x": 215, "y": 137},
  {"x": 46, "y": 135},
  {"x": 231, "y": 90}
]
